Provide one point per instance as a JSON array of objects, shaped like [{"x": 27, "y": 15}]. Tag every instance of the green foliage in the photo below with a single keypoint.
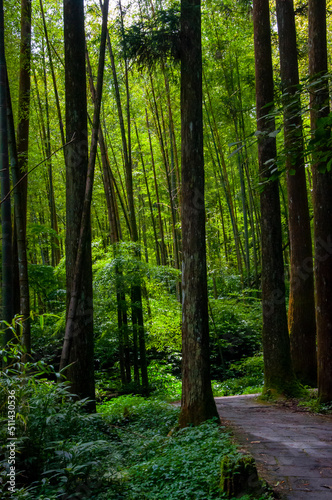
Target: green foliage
[
  {"x": 311, "y": 401},
  {"x": 164, "y": 326},
  {"x": 159, "y": 464},
  {"x": 162, "y": 312},
  {"x": 164, "y": 385},
  {"x": 56, "y": 440},
  {"x": 320, "y": 144},
  {"x": 144, "y": 414},
  {"x": 235, "y": 332},
  {"x": 244, "y": 377},
  {"x": 186, "y": 467},
  {"x": 154, "y": 38},
  {"x": 130, "y": 449},
  {"x": 44, "y": 282}
]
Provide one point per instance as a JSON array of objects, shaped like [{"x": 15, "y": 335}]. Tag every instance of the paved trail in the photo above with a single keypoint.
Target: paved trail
[{"x": 293, "y": 450}]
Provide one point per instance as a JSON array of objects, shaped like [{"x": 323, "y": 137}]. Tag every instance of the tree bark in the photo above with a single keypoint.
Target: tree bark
[
  {"x": 6, "y": 222},
  {"x": 322, "y": 195},
  {"x": 22, "y": 148},
  {"x": 78, "y": 342},
  {"x": 301, "y": 311},
  {"x": 197, "y": 402},
  {"x": 278, "y": 373}
]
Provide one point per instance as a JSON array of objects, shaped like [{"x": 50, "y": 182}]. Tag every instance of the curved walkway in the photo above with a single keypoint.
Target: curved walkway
[{"x": 292, "y": 449}]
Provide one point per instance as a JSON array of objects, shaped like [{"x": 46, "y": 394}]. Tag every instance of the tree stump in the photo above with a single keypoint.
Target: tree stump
[{"x": 239, "y": 476}]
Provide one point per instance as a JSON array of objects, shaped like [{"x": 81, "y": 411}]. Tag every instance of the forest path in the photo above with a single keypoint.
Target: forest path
[{"x": 292, "y": 448}]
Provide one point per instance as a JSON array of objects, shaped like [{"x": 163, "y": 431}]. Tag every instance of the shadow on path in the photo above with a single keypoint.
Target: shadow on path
[{"x": 293, "y": 450}]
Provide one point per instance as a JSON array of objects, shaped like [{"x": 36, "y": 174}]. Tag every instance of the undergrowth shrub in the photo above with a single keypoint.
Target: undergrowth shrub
[
  {"x": 187, "y": 466},
  {"x": 56, "y": 439},
  {"x": 155, "y": 461},
  {"x": 235, "y": 333},
  {"x": 245, "y": 377},
  {"x": 163, "y": 383}
]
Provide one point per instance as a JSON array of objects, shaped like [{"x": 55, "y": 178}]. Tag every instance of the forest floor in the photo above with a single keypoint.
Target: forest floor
[{"x": 291, "y": 446}]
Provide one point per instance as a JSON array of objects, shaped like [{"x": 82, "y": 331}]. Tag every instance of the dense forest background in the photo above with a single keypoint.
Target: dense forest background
[{"x": 115, "y": 316}]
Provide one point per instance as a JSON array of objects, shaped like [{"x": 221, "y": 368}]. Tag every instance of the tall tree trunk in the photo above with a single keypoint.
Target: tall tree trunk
[
  {"x": 159, "y": 122},
  {"x": 197, "y": 402},
  {"x": 6, "y": 222},
  {"x": 163, "y": 251},
  {"x": 46, "y": 138},
  {"x": 56, "y": 93},
  {"x": 322, "y": 196},
  {"x": 149, "y": 199},
  {"x": 20, "y": 218},
  {"x": 78, "y": 342},
  {"x": 23, "y": 145},
  {"x": 136, "y": 292},
  {"x": 24, "y": 95},
  {"x": 301, "y": 311},
  {"x": 278, "y": 373},
  {"x": 225, "y": 181},
  {"x": 114, "y": 224}
]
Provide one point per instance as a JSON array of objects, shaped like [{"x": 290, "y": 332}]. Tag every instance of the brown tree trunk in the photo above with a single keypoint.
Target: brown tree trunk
[
  {"x": 322, "y": 196},
  {"x": 301, "y": 311},
  {"x": 23, "y": 145},
  {"x": 78, "y": 342},
  {"x": 278, "y": 373},
  {"x": 6, "y": 222},
  {"x": 197, "y": 402}
]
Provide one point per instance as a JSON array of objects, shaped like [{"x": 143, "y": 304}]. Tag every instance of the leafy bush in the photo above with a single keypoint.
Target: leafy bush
[
  {"x": 56, "y": 439},
  {"x": 162, "y": 314},
  {"x": 312, "y": 403},
  {"x": 164, "y": 384},
  {"x": 235, "y": 332},
  {"x": 145, "y": 414},
  {"x": 245, "y": 377}
]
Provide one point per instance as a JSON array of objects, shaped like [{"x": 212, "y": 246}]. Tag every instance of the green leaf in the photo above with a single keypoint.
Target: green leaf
[{"x": 274, "y": 133}]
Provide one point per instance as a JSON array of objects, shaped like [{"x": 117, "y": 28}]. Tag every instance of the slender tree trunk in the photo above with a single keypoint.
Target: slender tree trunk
[
  {"x": 24, "y": 95},
  {"x": 225, "y": 183},
  {"x": 163, "y": 251},
  {"x": 56, "y": 93},
  {"x": 322, "y": 195},
  {"x": 46, "y": 138},
  {"x": 136, "y": 292},
  {"x": 114, "y": 223},
  {"x": 278, "y": 371},
  {"x": 6, "y": 222},
  {"x": 20, "y": 233},
  {"x": 23, "y": 143},
  {"x": 159, "y": 122},
  {"x": 149, "y": 199},
  {"x": 197, "y": 402},
  {"x": 301, "y": 311},
  {"x": 78, "y": 341}
]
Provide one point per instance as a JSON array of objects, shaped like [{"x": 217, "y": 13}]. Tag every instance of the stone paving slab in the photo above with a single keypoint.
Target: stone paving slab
[{"x": 292, "y": 450}]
